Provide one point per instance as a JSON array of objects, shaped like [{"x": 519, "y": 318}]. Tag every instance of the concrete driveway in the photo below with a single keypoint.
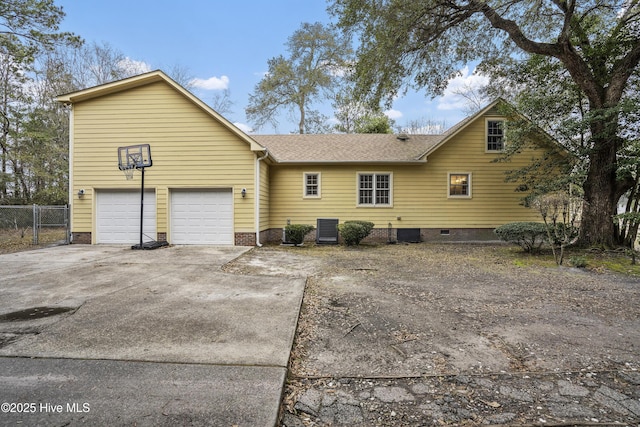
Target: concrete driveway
[{"x": 158, "y": 337}]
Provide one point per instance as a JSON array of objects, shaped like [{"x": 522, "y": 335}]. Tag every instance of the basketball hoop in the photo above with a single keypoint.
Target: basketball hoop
[
  {"x": 128, "y": 173},
  {"x": 134, "y": 157},
  {"x": 131, "y": 158}
]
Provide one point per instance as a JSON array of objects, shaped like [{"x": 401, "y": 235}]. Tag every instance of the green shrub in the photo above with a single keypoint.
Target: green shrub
[
  {"x": 353, "y": 232},
  {"x": 295, "y": 232},
  {"x": 578, "y": 261},
  {"x": 528, "y": 235}
]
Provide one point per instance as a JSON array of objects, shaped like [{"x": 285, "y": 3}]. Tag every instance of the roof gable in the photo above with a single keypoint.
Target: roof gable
[
  {"x": 462, "y": 125},
  {"x": 149, "y": 78},
  {"x": 362, "y": 148}
]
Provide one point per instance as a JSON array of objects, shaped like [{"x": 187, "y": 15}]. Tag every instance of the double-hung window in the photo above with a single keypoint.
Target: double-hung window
[
  {"x": 495, "y": 135},
  {"x": 460, "y": 185},
  {"x": 311, "y": 185},
  {"x": 374, "y": 189}
]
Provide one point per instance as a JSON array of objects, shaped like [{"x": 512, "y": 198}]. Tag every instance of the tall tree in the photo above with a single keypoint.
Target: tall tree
[
  {"x": 27, "y": 28},
  {"x": 423, "y": 43},
  {"x": 316, "y": 57},
  {"x": 424, "y": 126},
  {"x": 354, "y": 116},
  {"x": 376, "y": 123}
]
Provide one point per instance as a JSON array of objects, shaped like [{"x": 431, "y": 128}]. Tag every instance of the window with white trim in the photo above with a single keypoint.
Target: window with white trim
[
  {"x": 460, "y": 185},
  {"x": 495, "y": 135},
  {"x": 312, "y": 184},
  {"x": 374, "y": 189}
]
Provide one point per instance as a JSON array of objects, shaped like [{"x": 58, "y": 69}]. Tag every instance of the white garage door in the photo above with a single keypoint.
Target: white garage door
[
  {"x": 202, "y": 217},
  {"x": 118, "y": 216}
]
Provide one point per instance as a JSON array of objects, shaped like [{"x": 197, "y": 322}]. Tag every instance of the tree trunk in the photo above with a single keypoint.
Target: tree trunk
[
  {"x": 301, "y": 107},
  {"x": 601, "y": 190},
  {"x": 597, "y": 228}
]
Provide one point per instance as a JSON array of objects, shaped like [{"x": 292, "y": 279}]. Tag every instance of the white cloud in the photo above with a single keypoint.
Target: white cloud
[
  {"x": 133, "y": 67},
  {"x": 466, "y": 82},
  {"x": 212, "y": 83},
  {"x": 243, "y": 127},
  {"x": 393, "y": 114}
]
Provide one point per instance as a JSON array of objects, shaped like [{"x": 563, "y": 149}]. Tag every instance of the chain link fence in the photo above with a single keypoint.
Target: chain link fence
[{"x": 22, "y": 226}]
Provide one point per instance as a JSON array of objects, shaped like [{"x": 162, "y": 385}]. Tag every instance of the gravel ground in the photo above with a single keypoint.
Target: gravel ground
[{"x": 429, "y": 334}]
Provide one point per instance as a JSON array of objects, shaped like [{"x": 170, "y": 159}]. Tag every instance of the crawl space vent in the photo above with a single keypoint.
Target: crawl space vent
[{"x": 408, "y": 235}]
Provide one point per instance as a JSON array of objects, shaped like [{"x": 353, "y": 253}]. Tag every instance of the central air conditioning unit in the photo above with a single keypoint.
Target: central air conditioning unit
[{"x": 327, "y": 231}]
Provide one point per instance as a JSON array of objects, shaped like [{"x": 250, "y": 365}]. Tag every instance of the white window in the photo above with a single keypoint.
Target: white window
[
  {"x": 460, "y": 185},
  {"x": 375, "y": 189},
  {"x": 495, "y": 135},
  {"x": 311, "y": 185}
]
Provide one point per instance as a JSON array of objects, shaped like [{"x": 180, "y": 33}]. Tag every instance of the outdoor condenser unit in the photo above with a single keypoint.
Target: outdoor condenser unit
[{"x": 327, "y": 230}]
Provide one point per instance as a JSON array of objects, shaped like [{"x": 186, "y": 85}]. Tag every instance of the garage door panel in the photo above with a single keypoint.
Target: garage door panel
[
  {"x": 118, "y": 216},
  {"x": 202, "y": 217}
]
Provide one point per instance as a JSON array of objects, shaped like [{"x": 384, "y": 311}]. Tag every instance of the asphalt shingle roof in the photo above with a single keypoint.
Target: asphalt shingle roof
[{"x": 356, "y": 148}]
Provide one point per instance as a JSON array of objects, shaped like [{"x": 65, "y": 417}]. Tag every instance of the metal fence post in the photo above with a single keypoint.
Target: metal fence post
[
  {"x": 50, "y": 224},
  {"x": 35, "y": 224},
  {"x": 67, "y": 224}
]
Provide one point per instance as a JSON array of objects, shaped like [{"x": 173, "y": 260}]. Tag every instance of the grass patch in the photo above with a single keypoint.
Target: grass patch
[
  {"x": 613, "y": 261},
  {"x": 599, "y": 261},
  {"x": 516, "y": 256},
  {"x": 594, "y": 260}
]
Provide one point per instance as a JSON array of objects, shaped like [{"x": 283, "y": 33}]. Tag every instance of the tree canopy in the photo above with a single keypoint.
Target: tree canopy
[
  {"x": 596, "y": 44},
  {"x": 316, "y": 56},
  {"x": 354, "y": 116},
  {"x": 33, "y": 163},
  {"x": 28, "y": 26}
]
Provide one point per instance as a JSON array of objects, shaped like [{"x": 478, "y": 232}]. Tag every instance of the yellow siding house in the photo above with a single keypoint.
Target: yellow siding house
[
  {"x": 210, "y": 183},
  {"x": 201, "y": 188}
]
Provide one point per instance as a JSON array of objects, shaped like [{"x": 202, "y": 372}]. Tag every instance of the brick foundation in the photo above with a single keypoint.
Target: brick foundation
[
  {"x": 385, "y": 235},
  {"x": 265, "y": 236},
  {"x": 245, "y": 239},
  {"x": 378, "y": 235},
  {"x": 81, "y": 238},
  {"x": 457, "y": 234}
]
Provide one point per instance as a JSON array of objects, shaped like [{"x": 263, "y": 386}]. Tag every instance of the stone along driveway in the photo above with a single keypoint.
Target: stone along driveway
[{"x": 405, "y": 335}]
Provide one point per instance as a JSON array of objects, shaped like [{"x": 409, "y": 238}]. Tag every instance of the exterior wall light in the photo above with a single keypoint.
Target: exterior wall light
[
  {"x": 80, "y": 193},
  {"x": 244, "y": 193}
]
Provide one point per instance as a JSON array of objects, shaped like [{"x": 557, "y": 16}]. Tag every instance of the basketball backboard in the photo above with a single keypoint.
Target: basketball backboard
[{"x": 134, "y": 157}]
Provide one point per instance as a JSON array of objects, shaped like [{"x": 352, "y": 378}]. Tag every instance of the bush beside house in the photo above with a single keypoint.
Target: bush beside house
[
  {"x": 295, "y": 233},
  {"x": 353, "y": 232}
]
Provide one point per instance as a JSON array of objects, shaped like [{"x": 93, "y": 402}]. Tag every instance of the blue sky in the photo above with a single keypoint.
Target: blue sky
[{"x": 223, "y": 44}]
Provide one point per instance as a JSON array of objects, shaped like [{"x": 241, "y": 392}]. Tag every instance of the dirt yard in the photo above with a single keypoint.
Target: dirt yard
[
  {"x": 426, "y": 310},
  {"x": 17, "y": 240}
]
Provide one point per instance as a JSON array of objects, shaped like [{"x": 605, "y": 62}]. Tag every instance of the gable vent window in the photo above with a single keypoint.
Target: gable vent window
[
  {"x": 374, "y": 189},
  {"x": 495, "y": 135}
]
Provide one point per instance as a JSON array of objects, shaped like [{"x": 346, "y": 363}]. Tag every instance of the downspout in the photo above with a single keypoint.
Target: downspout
[
  {"x": 257, "y": 193},
  {"x": 71, "y": 192}
]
